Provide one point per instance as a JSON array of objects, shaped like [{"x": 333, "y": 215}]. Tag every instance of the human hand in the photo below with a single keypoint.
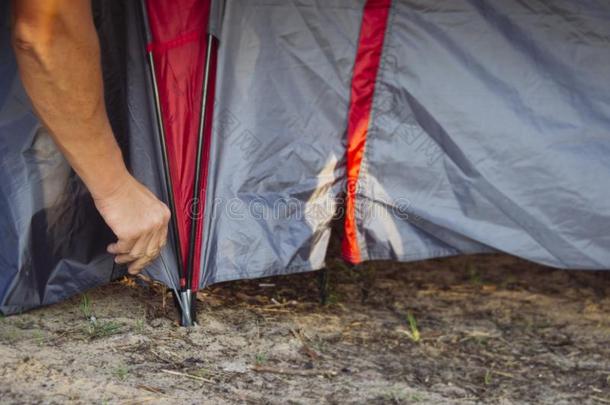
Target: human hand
[{"x": 138, "y": 219}]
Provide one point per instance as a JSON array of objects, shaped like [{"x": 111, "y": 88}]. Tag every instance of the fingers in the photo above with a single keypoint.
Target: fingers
[
  {"x": 143, "y": 251},
  {"x": 154, "y": 245},
  {"x": 137, "y": 266},
  {"x": 122, "y": 246},
  {"x": 140, "y": 222},
  {"x": 163, "y": 238},
  {"x": 150, "y": 253},
  {"x": 137, "y": 251}
]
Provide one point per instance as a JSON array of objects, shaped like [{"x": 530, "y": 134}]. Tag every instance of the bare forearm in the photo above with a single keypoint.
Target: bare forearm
[
  {"x": 57, "y": 50},
  {"x": 58, "y": 54}
]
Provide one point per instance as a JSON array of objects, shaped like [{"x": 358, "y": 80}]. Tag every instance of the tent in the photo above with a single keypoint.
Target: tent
[{"x": 430, "y": 128}]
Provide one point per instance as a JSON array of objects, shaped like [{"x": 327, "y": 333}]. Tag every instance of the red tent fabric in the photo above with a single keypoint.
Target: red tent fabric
[{"x": 179, "y": 46}]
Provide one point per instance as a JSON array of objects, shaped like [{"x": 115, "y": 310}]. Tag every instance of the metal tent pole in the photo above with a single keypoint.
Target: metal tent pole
[
  {"x": 169, "y": 189},
  {"x": 198, "y": 163}
]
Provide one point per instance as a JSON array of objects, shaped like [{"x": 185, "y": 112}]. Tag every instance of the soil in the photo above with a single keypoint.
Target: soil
[{"x": 477, "y": 329}]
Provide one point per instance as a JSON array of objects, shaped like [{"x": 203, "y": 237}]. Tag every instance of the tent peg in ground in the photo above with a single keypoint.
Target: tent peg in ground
[
  {"x": 185, "y": 302},
  {"x": 323, "y": 282}
]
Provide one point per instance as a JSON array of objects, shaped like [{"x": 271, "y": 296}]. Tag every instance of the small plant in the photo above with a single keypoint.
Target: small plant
[
  {"x": 139, "y": 326},
  {"x": 482, "y": 340},
  {"x": 97, "y": 329},
  {"x": 203, "y": 372},
  {"x": 473, "y": 274},
  {"x": 121, "y": 372},
  {"x": 39, "y": 338},
  {"x": 9, "y": 335},
  {"x": 487, "y": 378},
  {"x": 508, "y": 281},
  {"x": 393, "y": 395},
  {"x": 333, "y": 298},
  {"x": 85, "y": 307},
  {"x": 416, "y": 398},
  {"x": 413, "y": 334},
  {"x": 261, "y": 358},
  {"x": 319, "y": 345}
]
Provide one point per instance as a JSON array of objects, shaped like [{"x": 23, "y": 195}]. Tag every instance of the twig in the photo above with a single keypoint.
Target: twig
[
  {"x": 266, "y": 285},
  {"x": 276, "y": 304},
  {"x": 138, "y": 401},
  {"x": 278, "y": 310},
  {"x": 191, "y": 376},
  {"x": 603, "y": 400},
  {"x": 150, "y": 389},
  {"x": 289, "y": 371}
]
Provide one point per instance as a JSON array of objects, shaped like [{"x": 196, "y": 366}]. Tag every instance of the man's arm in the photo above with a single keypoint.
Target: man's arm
[{"x": 58, "y": 55}]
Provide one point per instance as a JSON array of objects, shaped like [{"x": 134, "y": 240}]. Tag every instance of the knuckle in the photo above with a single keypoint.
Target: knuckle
[
  {"x": 151, "y": 253},
  {"x": 128, "y": 234},
  {"x": 165, "y": 215},
  {"x": 135, "y": 254}
]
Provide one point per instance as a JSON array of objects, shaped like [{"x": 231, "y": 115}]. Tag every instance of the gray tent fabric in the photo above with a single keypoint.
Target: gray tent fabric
[
  {"x": 142, "y": 136},
  {"x": 217, "y": 10},
  {"x": 491, "y": 132},
  {"x": 277, "y": 154}
]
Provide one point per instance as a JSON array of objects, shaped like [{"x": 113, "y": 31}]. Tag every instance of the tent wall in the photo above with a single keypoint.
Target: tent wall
[
  {"x": 278, "y": 145},
  {"x": 490, "y": 131}
]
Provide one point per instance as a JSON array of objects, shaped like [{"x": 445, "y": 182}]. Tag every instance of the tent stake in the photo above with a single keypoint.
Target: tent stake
[
  {"x": 187, "y": 299},
  {"x": 198, "y": 163},
  {"x": 323, "y": 285}
]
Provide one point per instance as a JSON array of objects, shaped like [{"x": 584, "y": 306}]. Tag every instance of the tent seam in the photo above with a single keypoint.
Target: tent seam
[{"x": 364, "y": 166}]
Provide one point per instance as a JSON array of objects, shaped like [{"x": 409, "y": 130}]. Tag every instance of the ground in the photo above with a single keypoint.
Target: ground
[{"x": 477, "y": 329}]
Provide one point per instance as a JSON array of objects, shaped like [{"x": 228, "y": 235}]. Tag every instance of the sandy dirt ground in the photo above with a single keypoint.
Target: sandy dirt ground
[{"x": 479, "y": 329}]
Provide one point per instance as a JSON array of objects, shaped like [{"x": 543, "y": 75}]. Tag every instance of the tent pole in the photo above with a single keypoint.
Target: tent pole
[
  {"x": 166, "y": 173},
  {"x": 197, "y": 182},
  {"x": 169, "y": 189}
]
